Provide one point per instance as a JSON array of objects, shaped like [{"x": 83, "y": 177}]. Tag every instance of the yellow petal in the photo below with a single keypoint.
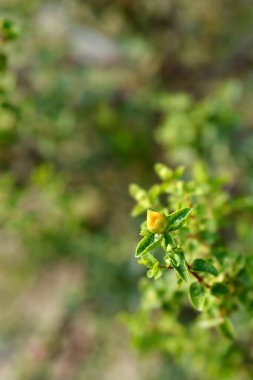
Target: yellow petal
[{"x": 156, "y": 222}]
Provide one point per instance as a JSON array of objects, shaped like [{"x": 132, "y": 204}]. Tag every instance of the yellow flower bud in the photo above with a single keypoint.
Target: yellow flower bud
[{"x": 156, "y": 222}]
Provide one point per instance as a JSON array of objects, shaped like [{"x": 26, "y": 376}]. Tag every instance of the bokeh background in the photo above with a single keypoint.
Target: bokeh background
[{"x": 98, "y": 91}]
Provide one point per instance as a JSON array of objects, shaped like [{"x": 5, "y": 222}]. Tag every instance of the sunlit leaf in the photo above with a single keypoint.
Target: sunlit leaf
[
  {"x": 147, "y": 244},
  {"x": 177, "y": 218},
  {"x": 179, "y": 264},
  {"x": 196, "y": 294},
  {"x": 163, "y": 171}
]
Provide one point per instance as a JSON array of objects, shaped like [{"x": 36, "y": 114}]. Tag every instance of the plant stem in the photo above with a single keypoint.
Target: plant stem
[
  {"x": 196, "y": 275},
  {"x": 164, "y": 267}
]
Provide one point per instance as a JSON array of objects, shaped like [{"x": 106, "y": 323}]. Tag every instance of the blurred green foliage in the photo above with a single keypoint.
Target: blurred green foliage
[{"x": 92, "y": 94}]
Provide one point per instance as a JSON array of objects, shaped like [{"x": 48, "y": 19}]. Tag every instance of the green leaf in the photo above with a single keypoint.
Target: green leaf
[
  {"x": 137, "y": 210},
  {"x": 201, "y": 265},
  {"x": 163, "y": 171},
  {"x": 10, "y": 30},
  {"x": 3, "y": 61},
  {"x": 219, "y": 289},
  {"x": 141, "y": 197},
  {"x": 179, "y": 264},
  {"x": 144, "y": 229},
  {"x": 147, "y": 244},
  {"x": 157, "y": 272},
  {"x": 209, "y": 323},
  {"x": 196, "y": 294},
  {"x": 179, "y": 171},
  {"x": 137, "y": 192},
  {"x": 167, "y": 260},
  {"x": 167, "y": 241},
  {"x": 154, "y": 193},
  {"x": 148, "y": 260},
  {"x": 150, "y": 273},
  {"x": 227, "y": 329},
  {"x": 177, "y": 218}
]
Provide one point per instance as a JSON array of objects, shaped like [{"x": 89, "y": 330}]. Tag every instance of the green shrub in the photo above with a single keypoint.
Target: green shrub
[{"x": 201, "y": 260}]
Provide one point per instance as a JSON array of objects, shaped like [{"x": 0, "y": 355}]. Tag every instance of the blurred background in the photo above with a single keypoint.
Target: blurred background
[{"x": 94, "y": 93}]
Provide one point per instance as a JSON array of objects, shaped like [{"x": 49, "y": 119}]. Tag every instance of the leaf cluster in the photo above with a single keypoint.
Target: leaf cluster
[{"x": 197, "y": 248}]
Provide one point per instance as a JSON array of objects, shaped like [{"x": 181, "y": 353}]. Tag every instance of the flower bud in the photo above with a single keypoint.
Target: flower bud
[{"x": 156, "y": 222}]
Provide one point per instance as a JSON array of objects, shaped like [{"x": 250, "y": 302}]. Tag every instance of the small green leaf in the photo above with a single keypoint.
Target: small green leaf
[
  {"x": 145, "y": 232},
  {"x": 201, "y": 265},
  {"x": 150, "y": 273},
  {"x": 179, "y": 171},
  {"x": 167, "y": 241},
  {"x": 196, "y": 294},
  {"x": 219, "y": 289},
  {"x": 147, "y": 244},
  {"x": 209, "y": 323},
  {"x": 163, "y": 172},
  {"x": 177, "y": 218},
  {"x": 148, "y": 260},
  {"x": 227, "y": 329},
  {"x": 136, "y": 191},
  {"x": 157, "y": 272},
  {"x": 137, "y": 210},
  {"x": 9, "y": 29},
  {"x": 154, "y": 193},
  {"x": 167, "y": 260},
  {"x": 179, "y": 264},
  {"x": 141, "y": 197},
  {"x": 3, "y": 61}
]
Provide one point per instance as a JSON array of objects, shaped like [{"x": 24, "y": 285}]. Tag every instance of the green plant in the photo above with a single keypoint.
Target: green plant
[
  {"x": 195, "y": 242},
  {"x": 211, "y": 129},
  {"x": 9, "y": 111}
]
